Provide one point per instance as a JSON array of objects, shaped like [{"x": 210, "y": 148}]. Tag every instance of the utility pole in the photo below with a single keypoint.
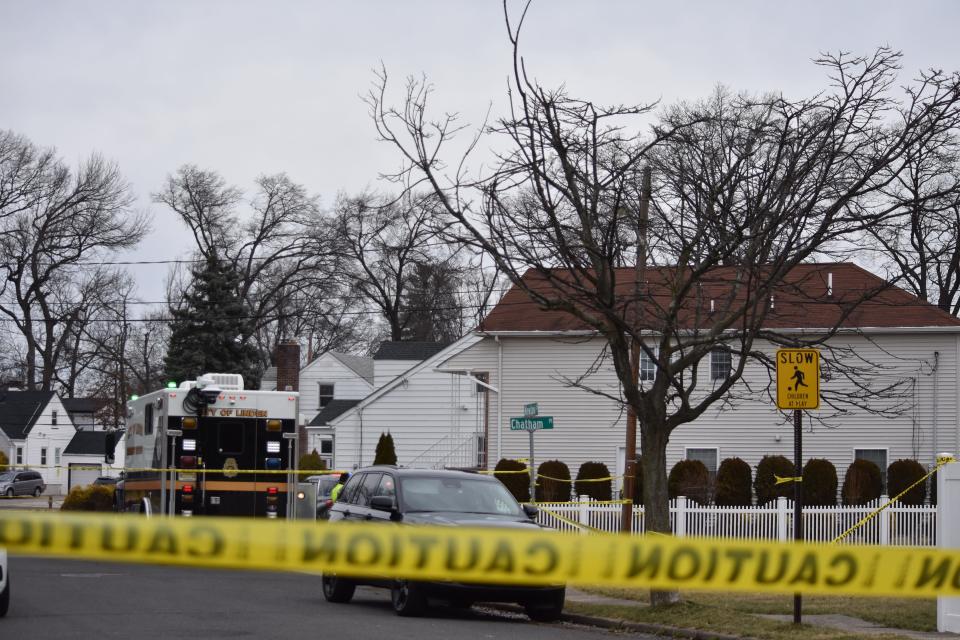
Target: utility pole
[{"x": 630, "y": 464}]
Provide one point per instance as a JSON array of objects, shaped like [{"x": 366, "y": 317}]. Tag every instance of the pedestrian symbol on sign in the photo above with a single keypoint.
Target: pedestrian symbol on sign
[{"x": 798, "y": 376}]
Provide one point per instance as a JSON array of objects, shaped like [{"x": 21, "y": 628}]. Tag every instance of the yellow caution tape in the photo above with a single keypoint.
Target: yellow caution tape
[
  {"x": 784, "y": 480},
  {"x": 941, "y": 461},
  {"x": 497, "y": 556},
  {"x": 574, "y": 523}
]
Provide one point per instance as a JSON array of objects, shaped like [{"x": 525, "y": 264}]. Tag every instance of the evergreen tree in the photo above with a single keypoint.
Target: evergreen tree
[
  {"x": 209, "y": 331},
  {"x": 385, "y": 453}
]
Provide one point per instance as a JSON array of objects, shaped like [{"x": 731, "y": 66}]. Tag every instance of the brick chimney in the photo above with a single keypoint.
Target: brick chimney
[
  {"x": 288, "y": 366},
  {"x": 287, "y": 361}
]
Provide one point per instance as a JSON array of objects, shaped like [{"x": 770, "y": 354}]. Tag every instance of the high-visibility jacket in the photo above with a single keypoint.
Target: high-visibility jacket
[{"x": 335, "y": 493}]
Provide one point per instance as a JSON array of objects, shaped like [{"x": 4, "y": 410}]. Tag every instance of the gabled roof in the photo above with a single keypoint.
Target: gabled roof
[
  {"x": 429, "y": 363},
  {"x": 403, "y": 350},
  {"x": 360, "y": 365},
  {"x": 804, "y": 299},
  {"x": 333, "y": 409},
  {"x": 19, "y": 411},
  {"x": 270, "y": 375},
  {"x": 84, "y": 405},
  {"x": 89, "y": 442}
]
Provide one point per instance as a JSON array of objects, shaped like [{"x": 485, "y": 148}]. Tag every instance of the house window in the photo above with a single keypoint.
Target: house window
[
  {"x": 326, "y": 394},
  {"x": 648, "y": 367},
  {"x": 720, "y": 363},
  {"x": 56, "y": 456},
  {"x": 19, "y": 455},
  {"x": 708, "y": 456},
  {"x": 326, "y": 447},
  {"x": 877, "y": 457},
  {"x": 53, "y": 417},
  {"x": 43, "y": 456}
]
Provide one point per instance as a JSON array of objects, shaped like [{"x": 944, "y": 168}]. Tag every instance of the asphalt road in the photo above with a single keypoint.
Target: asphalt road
[{"x": 62, "y": 599}]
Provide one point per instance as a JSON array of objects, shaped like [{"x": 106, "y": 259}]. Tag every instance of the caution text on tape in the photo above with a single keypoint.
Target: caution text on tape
[{"x": 508, "y": 556}]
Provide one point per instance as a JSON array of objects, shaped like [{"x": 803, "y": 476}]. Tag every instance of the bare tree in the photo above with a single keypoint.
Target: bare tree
[
  {"x": 53, "y": 223},
  {"x": 382, "y": 243},
  {"x": 921, "y": 244},
  {"x": 747, "y": 191}
]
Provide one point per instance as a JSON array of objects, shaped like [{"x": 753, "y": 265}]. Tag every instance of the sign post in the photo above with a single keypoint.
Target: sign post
[
  {"x": 531, "y": 422},
  {"x": 798, "y": 388}
]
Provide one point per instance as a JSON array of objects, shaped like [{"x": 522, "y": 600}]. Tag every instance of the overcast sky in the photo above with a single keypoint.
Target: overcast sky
[{"x": 254, "y": 87}]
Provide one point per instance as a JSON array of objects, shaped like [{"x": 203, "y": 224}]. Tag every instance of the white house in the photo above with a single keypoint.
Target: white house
[
  {"x": 436, "y": 419},
  {"x": 37, "y": 430},
  {"x": 530, "y": 355},
  {"x": 329, "y": 385},
  {"x": 84, "y": 458}
]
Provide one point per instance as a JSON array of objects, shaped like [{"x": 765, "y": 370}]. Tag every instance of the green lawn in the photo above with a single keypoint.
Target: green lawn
[{"x": 724, "y": 612}]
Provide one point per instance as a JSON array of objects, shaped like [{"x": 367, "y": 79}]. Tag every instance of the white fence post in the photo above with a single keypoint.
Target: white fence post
[
  {"x": 680, "y": 520},
  {"x": 782, "y": 513},
  {"x": 948, "y": 536},
  {"x": 884, "y": 522},
  {"x": 584, "y": 510}
]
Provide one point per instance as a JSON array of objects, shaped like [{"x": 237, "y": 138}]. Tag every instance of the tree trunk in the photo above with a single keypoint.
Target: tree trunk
[{"x": 656, "y": 496}]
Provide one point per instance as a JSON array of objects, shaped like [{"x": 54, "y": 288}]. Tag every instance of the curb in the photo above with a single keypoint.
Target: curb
[{"x": 619, "y": 624}]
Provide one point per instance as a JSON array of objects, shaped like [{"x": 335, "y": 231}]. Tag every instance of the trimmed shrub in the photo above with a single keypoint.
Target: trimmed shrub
[
  {"x": 386, "y": 453},
  {"x": 901, "y": 474},
  {"x": 638, "y": 481},
  {"x": 733, "y": 484},
  {"x": 819, "y": 483},
  {"x": 553, "y": 490},
  {"x": 598, "y": 490},
  {"x": 516, "y": 483},
  {"x": 89, "y": 498},
  {"x": 690, "y": 478},
  {"x": 312, "y": 462},
  {"x": 764, "y": 483},
  {"x": 862, "y": 483}
]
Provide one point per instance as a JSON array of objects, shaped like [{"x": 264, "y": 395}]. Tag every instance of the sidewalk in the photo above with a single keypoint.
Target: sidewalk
[
  {"x": 31, "y": 503},
  {"x": 839, "y": 622}
]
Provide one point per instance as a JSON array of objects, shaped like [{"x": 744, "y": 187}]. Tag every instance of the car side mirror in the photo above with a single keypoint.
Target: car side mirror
[
  {"x": 383, "y": 503},
  {"x": 531, "y": 511}
]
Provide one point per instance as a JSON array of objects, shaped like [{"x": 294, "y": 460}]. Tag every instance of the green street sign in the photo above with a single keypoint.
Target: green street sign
[
  {"x": 531, "y": 424},
  {"x": 530, "y": 410}
]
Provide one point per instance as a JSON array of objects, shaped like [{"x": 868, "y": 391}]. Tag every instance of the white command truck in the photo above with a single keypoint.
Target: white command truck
[{"x": 210, "y": 447}]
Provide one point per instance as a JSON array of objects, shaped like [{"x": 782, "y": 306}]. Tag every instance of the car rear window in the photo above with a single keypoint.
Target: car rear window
[{"x": 458, "y": 495}]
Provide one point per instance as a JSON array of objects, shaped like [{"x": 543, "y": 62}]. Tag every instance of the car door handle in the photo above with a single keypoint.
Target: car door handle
[
  {"x": 369, "y": 517},
  {"x": 346, "y": 513}
]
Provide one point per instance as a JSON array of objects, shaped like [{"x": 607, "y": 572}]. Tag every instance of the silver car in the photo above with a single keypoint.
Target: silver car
[{"x": 21, "y": 483}]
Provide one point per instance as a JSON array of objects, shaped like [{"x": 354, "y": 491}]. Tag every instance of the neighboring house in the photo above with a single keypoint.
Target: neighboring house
[
  {"x": 529, "y": 355},
  {"x": 329, "y": 385},
  {"x": 436, "y": 419},
  {"x": 37, "y": 430},
  {"x": 84, "y": 458},
  {"x": 83, "y": 412}
]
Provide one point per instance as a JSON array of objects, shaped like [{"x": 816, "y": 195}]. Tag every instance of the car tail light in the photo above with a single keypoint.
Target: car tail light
[
  {"x": 187, "y": 488},
  {"x": 186, "y": 494},
  {"x": 329, "y": 503}
]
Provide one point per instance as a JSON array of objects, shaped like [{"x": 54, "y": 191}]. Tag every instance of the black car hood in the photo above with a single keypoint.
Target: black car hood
[{"x": 455, "y": 519}]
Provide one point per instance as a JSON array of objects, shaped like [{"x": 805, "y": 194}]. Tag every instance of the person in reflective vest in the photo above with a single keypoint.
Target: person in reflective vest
[{"x": 335, "y": 493}]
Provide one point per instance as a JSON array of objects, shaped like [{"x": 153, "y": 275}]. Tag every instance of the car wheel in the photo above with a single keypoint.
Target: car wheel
[
  {"x": 37, "y": 492},
  {"x": 408, "y": 599},
  {"x": 10, "y": 492},
  {"x": 337, "y": 589},
  {"x": 549, "y": 610},
  {"x": 5, "y": 598}
]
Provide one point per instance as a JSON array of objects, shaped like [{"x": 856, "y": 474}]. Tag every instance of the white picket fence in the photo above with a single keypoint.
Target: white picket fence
[{"x": 896, "y": 525}]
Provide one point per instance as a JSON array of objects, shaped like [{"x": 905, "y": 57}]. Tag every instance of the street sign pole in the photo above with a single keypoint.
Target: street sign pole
[
  {"x": 797, "y": 498},
  {"x": 533, "y": 472}
]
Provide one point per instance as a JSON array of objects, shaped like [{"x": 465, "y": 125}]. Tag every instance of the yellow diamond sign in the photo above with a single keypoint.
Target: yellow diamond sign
[{"x": 798, "y": 379}]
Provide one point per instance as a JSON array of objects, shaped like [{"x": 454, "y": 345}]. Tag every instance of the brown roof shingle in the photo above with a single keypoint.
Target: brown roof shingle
[{"x": 801, "y": 301}]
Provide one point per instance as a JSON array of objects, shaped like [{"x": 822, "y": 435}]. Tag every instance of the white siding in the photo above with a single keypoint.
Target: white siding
[
  {"x": 328, "y": 370},
  {"x": 45, "y": 434},
  {"x": 591, "y": 427},
  {"x": 386, "y": 370},
  {"x": 429, "y": 412}
]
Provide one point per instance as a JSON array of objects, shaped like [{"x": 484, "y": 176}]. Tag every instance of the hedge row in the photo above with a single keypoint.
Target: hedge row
[{"x": 734, "y": 481}]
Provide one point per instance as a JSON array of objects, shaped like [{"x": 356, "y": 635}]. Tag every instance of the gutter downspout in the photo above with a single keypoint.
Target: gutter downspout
[
  {"x": 499, "y": 398},
  {"x": 936, "y": 377}
]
